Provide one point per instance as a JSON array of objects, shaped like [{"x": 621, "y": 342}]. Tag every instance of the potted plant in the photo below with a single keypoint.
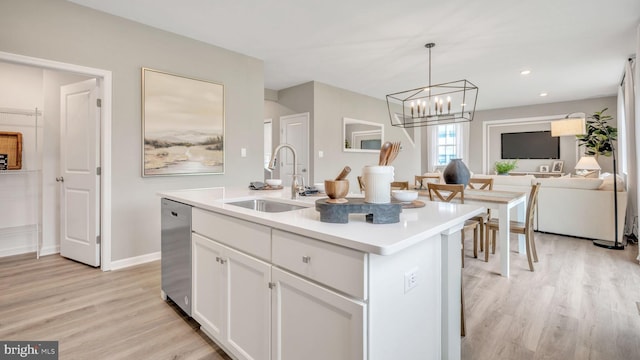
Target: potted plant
[
  {"x": 503, "y": 167},
  {"x": 599, "y": 136}
]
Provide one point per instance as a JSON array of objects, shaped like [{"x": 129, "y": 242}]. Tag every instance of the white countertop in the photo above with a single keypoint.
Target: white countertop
[{"x": 384, "y": 239}]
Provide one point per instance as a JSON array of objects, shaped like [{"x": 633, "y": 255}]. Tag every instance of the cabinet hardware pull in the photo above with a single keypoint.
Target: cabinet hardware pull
[
  {"x": 306, "y": 259},
  {"x": 272, "y": 285},
  {"x": 217, "y": 259},
  {"x": 223, "y": 261}
]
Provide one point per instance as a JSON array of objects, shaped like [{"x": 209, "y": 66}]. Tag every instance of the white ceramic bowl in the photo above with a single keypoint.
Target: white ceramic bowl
[
  {"x": 319, "y": 187},
  {"x": 404, "y": 195},
  {"x": 273, "y": 182}
]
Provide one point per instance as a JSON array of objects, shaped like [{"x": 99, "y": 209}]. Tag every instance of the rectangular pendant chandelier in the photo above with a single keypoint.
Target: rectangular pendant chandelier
[{"x": 445, "y": 103}]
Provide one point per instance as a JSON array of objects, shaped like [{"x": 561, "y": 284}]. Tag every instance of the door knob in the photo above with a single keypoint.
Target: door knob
[{"x": 60, "y": 179}]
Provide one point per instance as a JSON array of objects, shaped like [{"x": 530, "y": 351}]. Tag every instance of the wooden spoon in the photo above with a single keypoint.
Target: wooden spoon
[
  {"x": 395, "y": 149},
  {"x": 384, "y": 153},
  {"x": 343, "y": 174}
]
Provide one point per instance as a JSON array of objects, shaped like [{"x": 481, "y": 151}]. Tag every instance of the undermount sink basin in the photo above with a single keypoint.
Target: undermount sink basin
[{"x": 264, "y": 205}]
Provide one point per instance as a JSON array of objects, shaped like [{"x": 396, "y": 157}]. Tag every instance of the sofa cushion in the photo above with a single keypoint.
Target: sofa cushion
[
  {"x": 520, "y": 180},
  {"x": 607, "y": 182},
  {"x": 572, "y": 183}
]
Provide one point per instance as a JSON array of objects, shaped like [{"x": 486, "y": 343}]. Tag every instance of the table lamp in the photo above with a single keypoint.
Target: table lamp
[{"x": 587, "y": 166}]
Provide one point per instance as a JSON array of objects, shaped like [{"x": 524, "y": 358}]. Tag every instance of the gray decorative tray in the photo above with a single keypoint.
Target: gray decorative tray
[{"x": 375, "y": 213}]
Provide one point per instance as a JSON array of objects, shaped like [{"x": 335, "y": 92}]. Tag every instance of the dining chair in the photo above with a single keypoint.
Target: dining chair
[
  {"x": 446, "y": 193},
  {"x": 517, "y": 227},
  {"x": 420, "y": 180},
  {"x": 482, "y": 184},
  {"x": 400, "y": 185}
]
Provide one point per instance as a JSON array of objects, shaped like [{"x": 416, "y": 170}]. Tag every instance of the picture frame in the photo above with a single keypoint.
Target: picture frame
[
  {"x": 557, "y": 165},
  {"x": 183, "y": 125},
  {"x": 544, "y": 168}
]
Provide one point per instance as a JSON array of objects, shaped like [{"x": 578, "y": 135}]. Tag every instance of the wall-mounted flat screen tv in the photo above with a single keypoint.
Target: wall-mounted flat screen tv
[{"x": 530, "y": 145}]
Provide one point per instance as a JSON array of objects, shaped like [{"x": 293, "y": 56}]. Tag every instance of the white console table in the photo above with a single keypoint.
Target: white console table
[{"x": 537, "y": 174}]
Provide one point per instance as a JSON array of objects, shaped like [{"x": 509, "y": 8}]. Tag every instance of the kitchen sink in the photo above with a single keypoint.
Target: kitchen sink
[{"x": 265, "y": 205}]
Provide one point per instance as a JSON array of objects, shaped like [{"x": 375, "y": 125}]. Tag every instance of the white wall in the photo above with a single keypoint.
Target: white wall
[
  {"x": 534, "y": 112},
  {"x": 327, "y": 106},
  {"x": 62, "y": 31},
  {"x": 332, "y": 104}
]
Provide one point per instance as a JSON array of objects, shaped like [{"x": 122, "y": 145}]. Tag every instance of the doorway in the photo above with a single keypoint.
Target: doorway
[
  {"x": 294, "y": 130},
  {"x": 104, "y": 77}
]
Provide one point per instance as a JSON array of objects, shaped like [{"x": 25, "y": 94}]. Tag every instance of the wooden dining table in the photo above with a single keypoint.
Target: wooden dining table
[{"x": 503, "y": 202}]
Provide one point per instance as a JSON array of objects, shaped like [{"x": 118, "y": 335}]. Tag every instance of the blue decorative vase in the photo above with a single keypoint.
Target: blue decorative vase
[{"x": 456, "y": 173}]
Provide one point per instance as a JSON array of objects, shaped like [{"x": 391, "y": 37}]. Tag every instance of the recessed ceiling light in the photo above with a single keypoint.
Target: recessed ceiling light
[
  {"x": 525, "y": 72},
  {"x": 543, "y": 94}
]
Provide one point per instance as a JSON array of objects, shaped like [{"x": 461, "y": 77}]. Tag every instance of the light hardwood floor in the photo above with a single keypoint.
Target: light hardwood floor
[
  {"x": 93, "y": 314},
  {"x": 582, "y": 302}
]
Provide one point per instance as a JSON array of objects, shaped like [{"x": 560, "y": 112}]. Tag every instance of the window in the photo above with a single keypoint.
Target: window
[{"x": 446, "y": 142}]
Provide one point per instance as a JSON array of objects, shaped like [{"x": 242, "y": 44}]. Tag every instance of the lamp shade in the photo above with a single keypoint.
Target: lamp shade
[
  {"x": 587, "y": 163},
  {"x": 569, "y": 126}
]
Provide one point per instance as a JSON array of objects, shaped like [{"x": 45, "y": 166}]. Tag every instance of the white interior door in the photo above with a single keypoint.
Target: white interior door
[
  {"x": 294, "y": 130},
  {"x": 80, "y": 183}
]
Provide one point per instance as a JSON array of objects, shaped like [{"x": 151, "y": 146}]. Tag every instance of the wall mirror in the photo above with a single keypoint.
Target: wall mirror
[{"x": 361, "y": 136}]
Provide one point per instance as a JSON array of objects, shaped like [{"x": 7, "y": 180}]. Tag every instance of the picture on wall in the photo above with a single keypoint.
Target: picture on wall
[
  {"x": 557, "y": 166},
  {"x": 544, "y": 168},
  {"x": 182, "y": 125}
]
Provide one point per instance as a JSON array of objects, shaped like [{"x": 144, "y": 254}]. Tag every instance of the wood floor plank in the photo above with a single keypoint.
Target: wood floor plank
[
  {"x": 581, "y": 302},
  {"x": 95, "y": 314}
]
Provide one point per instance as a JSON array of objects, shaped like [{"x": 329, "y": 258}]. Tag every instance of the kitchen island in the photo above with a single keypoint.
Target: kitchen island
[{"x": 284, "y": 285}]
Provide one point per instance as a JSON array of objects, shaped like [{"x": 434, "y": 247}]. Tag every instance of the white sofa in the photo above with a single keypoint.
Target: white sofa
[{"x": 579, "y": 207}]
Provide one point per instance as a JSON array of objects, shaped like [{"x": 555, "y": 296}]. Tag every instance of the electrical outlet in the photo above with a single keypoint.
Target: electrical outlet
[
  {"x": 243, "y": 152},
  {"x": 410, "y": 279},
  {"x": 320, "y": 153}
]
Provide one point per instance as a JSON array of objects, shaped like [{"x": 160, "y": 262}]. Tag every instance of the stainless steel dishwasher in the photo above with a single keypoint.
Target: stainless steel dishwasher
[{"x": 176, "y": 253}]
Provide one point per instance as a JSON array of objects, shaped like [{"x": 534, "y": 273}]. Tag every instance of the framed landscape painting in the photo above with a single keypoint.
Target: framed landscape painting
[{"x": 182, "y": 125}]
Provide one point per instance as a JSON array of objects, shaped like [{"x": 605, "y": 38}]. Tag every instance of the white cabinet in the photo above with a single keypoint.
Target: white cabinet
[
  {"x": 326, "y": 301},
  {"x": 207, "y": 285},
  {"x": 231, "y": 298},
  {"x": 333, "y": 266},
  {"x": 313, "y": 323}
]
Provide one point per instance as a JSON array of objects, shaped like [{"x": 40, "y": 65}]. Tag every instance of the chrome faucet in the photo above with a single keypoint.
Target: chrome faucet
[{"x": 296, "y": 186}]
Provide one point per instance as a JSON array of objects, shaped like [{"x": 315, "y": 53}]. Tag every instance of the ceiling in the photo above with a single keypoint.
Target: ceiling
[{"x": 575, "y": 49}]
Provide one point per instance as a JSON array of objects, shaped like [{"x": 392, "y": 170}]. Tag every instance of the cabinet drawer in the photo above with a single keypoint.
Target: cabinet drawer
[
  {"x": 335, "y": 266},
  {"x": 245, "y": 236}
]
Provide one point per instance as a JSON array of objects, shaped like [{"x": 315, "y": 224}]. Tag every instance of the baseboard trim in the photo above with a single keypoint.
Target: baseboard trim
[
  {"x": 50, "y": 250},
  {"x": 18, "y": 250},
  {"x": 133, "y": 261}
]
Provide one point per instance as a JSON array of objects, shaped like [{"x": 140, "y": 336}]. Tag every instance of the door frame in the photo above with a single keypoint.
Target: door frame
[
  {"x": 308, "y": 174},
  {"x": 105, "y": 77}
]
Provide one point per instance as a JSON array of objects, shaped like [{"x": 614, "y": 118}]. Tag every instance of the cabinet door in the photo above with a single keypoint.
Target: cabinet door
[
  {"x": 208, "y": 285},
  {"x": 248, "y": 306},
  {"x": 314, "y": 323}
]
